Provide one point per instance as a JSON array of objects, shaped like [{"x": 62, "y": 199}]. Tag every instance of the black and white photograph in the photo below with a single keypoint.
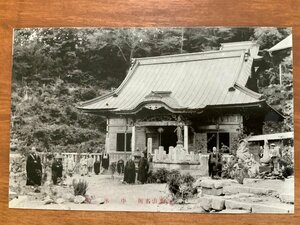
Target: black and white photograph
[{"x": 170, "y": 119}]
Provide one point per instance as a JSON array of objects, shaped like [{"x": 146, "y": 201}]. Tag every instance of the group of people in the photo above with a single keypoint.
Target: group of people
[
  {"x": 55, "y": 168},
  {"x": 270, "y": 154},
  {"x": 142, "y": 170},
  {"x": 275, "y": 156}
]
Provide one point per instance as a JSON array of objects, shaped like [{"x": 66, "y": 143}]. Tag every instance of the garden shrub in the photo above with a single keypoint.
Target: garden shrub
[
  {"x": 181, "y": 185},
  {"x": 80, "y": 187},
  {"x": 159, "y": 176}
]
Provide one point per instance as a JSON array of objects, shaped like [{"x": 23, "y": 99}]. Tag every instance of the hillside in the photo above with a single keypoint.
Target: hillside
[{"x": 54, "y": 69}]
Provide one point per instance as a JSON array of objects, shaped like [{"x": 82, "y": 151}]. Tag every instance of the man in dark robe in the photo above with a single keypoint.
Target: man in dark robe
[
  {"x": 34, "y": 168},
  {"x": 143, "y": 169},
  {"x": 215, "y": 164},
  {"x": 105, "y": 160},
  {"x": 97, "y": 166},
  {"x": 57, "y": 169},
  {"x": 129, "y": 171}
]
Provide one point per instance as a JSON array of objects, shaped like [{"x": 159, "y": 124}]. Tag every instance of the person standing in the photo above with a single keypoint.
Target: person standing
[
  {"x": 266, "y": 153},
  {"x": 143, "y": 168},
  {"x": 97, "y": 166},
  {"x": 214, "y": 164},
  {"x": 83, "y": 166},
  {"x": 275, "y": 156},
  {"x": 34, "y": 169},
  {"x": 70, "y": 165},
  {"x": 129, "y": 171},
  {"x": 90, "y": 163},
  {"x": 105, "y": 160},
  {"x": 57, "y": 169},
  {"x": 120, "y": 166}
]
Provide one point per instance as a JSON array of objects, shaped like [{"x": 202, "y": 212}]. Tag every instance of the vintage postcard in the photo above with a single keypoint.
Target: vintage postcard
[{"x": 153, "y": 119}]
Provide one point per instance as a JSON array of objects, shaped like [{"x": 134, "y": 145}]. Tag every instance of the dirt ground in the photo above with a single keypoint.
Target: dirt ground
[{"x": 110, "y": 194}]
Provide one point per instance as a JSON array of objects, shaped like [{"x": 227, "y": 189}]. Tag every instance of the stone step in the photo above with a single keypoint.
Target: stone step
[{"x": 235, "y": 189}]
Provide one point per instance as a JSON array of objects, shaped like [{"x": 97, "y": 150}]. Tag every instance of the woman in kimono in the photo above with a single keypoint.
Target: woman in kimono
[
  {"x": 70, "y": 165},
  {"x": 83, "y": 166},
  {"x": 90, "y": 164}
]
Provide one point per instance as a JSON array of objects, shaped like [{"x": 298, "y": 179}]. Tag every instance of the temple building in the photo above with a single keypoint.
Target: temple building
[{"x": 194, "y": 101}]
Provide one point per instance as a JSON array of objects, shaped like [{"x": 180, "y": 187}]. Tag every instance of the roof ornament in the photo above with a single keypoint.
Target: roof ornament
[{"x": 247, "y": 55}]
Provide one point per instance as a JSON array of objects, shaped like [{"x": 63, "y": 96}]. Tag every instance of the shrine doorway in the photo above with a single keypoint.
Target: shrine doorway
[{"x": 168, "y": 137}]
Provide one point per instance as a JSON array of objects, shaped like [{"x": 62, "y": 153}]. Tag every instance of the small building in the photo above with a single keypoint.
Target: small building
[{"x": 198, "y": 100}]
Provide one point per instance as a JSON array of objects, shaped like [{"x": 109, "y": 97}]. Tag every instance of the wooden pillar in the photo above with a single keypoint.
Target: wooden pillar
[
  {"x": 133, "y": 139},
  {"x": 280, "y": 74},
  {"x": 107, "y": 136},
  {"x": 149, "y": 146},
  {"x": 186, "y": 137}
]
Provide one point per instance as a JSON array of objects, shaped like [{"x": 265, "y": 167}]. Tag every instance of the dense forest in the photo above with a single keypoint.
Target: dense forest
[{"x": 53, "y": 69}]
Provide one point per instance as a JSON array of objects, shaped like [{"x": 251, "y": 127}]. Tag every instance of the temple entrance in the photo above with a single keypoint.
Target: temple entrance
[{"x": 168, "y": 137}]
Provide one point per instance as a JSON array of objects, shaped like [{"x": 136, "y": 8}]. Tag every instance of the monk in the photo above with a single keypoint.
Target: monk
[
  {"x": 105, "y": 160},
  {"x": 97, "y": 166},
  {"x": 129, "y": 171},
  {"x": 57, "y": 168},
  {"x": 34, "y": 168},
  {"x": 143, "y": 168}
]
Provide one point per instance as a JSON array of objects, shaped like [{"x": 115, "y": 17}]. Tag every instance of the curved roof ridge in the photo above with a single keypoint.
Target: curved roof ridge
[
  {"x": 248, "y": 91},
  {"x": 188, "y": 54},
  {"x": 114, "y": 92}
]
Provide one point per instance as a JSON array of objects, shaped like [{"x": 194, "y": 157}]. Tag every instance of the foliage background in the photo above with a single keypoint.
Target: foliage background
[{"x": 53, "y": 69}]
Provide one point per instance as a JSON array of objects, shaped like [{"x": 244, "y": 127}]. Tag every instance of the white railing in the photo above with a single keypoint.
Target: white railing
[{"x": 113, "y": 156}]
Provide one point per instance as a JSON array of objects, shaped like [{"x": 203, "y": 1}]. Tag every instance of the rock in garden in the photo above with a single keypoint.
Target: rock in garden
[
  {"x": 60, "y": 201},
  {"x": 207, "y": 183},
  {"x": 48, "y": 200},
  {"x": 69, "y": 197},
  {"x": 218, "y": 204},
  {"x": 212, "y": 191},
  {"x": 12, "y": 195},
  {"x": 79, "y": 199},
  {"x": 98, "y": 201},
  {"x": 231, "y": 204},
  {"x": 205, "y": 203}
]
